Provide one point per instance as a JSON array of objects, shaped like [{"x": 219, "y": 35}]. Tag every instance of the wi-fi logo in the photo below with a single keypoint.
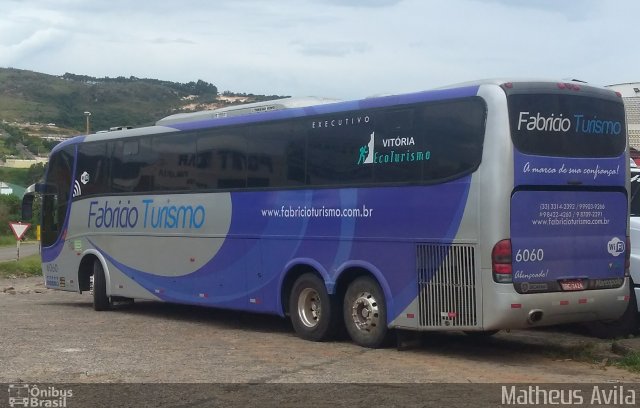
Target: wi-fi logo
[{"x": 77, "y": 190}]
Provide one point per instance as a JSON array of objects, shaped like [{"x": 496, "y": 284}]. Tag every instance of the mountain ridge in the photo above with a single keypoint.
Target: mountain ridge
[{"x": 33, "y": 97}]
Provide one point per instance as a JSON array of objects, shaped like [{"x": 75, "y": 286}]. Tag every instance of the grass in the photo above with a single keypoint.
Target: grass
[
  {"x": 27, "y": 266},
  {"x": 630, "y": 361},
  {"x": 7, "y": 240},
  {"x": 586, "y": 352},
  {"x": 589, "y": 353}
]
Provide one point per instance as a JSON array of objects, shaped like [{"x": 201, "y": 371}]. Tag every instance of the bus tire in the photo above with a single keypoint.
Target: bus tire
[
  {"x": 365, "y": 313},
  {"x": 627, "y": 324},
  {"x": 312, "y": 309},
  {"x": 100, "y": 299}
]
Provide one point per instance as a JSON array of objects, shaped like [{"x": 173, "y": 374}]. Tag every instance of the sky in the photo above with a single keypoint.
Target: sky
[{"x": 346, "y": 49}]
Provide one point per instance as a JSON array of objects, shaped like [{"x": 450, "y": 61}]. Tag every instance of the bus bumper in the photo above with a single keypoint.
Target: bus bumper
[{"x": 508, "y": 309}]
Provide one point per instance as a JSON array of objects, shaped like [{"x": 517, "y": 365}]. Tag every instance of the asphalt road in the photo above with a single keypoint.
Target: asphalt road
[{"x": 10, "y": 253}]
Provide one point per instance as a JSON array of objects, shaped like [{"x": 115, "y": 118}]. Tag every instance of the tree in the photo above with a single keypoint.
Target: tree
[
  {"x": 202, "y": 88},
  {"x": 10, "y": 208},
  {"x": 35, "y": 173}
]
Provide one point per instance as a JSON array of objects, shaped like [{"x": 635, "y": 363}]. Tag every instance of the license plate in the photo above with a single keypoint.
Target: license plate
[{"x": 572, "y": 285}]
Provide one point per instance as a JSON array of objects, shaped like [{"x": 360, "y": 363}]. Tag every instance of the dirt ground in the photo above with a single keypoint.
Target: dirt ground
[{"x": 56, "y": 337}]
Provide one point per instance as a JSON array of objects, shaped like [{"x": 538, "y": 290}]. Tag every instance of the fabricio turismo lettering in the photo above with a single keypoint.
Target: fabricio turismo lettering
[{"x": 123, "y": 215}]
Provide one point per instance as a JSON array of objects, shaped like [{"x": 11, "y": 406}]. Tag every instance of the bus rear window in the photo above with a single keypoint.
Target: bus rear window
[{"x": 567, "y": 125}]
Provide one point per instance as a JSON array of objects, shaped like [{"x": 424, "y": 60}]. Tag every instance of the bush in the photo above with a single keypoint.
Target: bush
[{"x": 10, "y": 211}]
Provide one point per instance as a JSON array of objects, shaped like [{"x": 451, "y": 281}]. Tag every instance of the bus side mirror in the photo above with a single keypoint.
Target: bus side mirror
[
  {"x": 27, "y": 201},
  {"x": 42, "y": 188}
]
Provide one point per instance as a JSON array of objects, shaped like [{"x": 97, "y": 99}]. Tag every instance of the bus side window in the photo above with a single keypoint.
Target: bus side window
[
  {"x": 222, "y": 160},
  {"x": 132, "y": 166},
  {"x": 454, "y": 136},
  {"x": 334, "y": 155},
  {"x": 275, "y": 155},
  {"x": 175, "y": 166},
  {"x": 92, "y": 169},
  {"x": 398, "y": 126}
]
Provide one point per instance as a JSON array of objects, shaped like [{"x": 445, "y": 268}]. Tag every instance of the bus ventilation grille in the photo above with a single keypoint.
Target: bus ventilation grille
[{"x": 447, "y": 285}]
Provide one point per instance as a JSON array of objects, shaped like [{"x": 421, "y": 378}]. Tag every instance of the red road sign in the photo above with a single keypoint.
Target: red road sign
[{"x": 19, "y": 229}]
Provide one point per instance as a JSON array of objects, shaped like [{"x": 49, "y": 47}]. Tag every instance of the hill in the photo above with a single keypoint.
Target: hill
[{"x": 28, "y": 97}]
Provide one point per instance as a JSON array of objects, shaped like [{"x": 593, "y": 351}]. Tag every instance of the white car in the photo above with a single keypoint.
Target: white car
[
  {"x": 629, "y": 322},
  {"x": 634, "y": 224}
]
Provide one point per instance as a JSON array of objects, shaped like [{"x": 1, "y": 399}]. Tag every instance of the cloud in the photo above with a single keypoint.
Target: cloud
[
  {"x": 161, "y": 40},
  {"x": 573, "y": 10},
  {"x": 331, "y": 49},
  {"x": 363, "y": 3},
  {"x": 341, "y": 48},
  {"x": 31, "y": 46}
]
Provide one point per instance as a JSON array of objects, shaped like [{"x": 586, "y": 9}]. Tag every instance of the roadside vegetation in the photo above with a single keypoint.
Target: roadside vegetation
[
  {"x": 585, "y": 352},
  {"x": 7, "y": 240},
  {"x": 22, "y": 177},
  {"x": 11, "y": 205},
  {"x": 27, "y": 266},
  {"x": 14, "y": 140},
  {"x": 591, "y": 353},
  {"x": 630, "y": 361},
  {"x": 10, "y": 211}
]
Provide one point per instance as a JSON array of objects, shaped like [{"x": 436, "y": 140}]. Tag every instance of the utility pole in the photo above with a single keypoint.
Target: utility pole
[{"x": 87, "y": 114}]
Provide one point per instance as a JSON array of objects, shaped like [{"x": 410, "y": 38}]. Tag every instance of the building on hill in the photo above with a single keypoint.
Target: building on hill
[
  {"x": 24, "y": 163},
  {"x": 5, "y": 189},
  {"x": 631, "y": 96},
  {"x": 18, "y": 190}
]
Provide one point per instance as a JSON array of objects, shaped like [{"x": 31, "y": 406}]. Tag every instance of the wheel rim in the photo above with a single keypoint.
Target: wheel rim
[
  {"x": 309, "y": 307},
  {"x": 365, "y": 312}
]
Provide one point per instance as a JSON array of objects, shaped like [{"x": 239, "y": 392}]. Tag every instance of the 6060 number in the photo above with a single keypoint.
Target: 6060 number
[{"x": 529, "y": 255}]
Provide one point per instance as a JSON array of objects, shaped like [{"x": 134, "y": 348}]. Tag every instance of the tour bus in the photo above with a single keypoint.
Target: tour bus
[{"x": 477, "y": 207}]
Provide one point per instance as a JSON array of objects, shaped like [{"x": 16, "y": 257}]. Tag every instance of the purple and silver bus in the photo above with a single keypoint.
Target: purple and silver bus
[{"x": 477, "y": 207}]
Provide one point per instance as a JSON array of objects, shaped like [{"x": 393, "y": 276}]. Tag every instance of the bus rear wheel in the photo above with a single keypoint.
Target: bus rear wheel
[
  {"x": 365, "y": 313},
  {"x": 628, "y": 323},
  {"x": 100, "y": 299},
  {"x": 312, "y": 309}
]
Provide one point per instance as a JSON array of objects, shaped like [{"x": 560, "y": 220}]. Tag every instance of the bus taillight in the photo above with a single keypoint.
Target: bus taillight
[
  {"x": 501, "y": 262},
  {"x": 569, "y": 86}
]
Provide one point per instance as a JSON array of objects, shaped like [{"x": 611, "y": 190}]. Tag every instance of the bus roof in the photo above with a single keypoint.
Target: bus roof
[
  {"x": 245, "y": 109},
  {"x": 296, "y": 107}
]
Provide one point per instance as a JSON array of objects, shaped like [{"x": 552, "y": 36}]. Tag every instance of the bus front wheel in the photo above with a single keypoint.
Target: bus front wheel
[
  {"x": 312, "y": 309},
  {"x": 100, "y": 299},
  {"x": 365, "y": 313}
]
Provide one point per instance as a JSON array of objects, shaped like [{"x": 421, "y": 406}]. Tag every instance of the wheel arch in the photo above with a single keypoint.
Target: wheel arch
[
  {"x": 293, "y": 271},
  {"x": 351, "y": 271},
  {"x": 85, "y": 270}
]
